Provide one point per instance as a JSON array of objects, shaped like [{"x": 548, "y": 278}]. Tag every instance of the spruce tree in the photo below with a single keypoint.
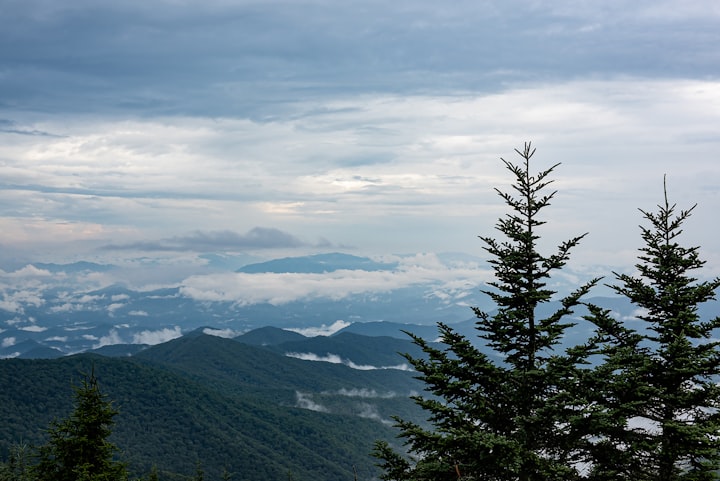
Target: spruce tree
[
  {"x": 504, "y": 415},
  {"x": 17, "y": 467},
  {"x": 78, "y": 448},
  {"x": 655, "y": 415}
]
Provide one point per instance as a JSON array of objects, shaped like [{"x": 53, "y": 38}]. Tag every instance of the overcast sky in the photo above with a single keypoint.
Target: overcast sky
[{"x": 177, "y": 127}]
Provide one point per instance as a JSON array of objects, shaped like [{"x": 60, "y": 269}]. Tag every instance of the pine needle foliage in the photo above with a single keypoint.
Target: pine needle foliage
[
  {"x": 78, "y": 448},
  {"x": 504, "y": 415},
  {"x": 656, "y": 409}
]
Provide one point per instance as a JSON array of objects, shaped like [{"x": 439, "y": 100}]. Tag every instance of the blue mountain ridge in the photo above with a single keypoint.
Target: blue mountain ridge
[{"x": 317, "y": 264}]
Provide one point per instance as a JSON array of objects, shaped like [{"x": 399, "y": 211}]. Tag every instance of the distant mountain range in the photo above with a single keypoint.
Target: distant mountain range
[
  {"x": 53, "y": 309},
  {"x": 47, "y": 310},
  {"x": 318, "y": 264}
]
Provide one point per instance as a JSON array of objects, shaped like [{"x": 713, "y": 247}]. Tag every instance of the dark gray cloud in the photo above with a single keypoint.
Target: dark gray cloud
[
  {"x": 218, "y": 241},
  {"x": 10, "y": 127},
  {"x": 225, "y": 58}
]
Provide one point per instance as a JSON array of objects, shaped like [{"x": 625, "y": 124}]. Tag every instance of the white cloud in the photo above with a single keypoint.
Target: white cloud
[
  {"x": 16, "y": 301},
  {"x": 138, "y": 313},
  {"x": 8, "y": 342},
  {"x": 309, "y": 356},
  {"x": 33, "y": 328},
  {"x": 11, "y": 306},
  {"x": 111, "y": 339},
  {"x": 78, "y": 328},
  {"x": 114, "y": 307},
  {"x": 365, "y": 393},
  {"x": 226, "y": 333},
  {"x": 87, "y": 298},
  {"x": 322, "y": 330},
  {"x": 643, "y": 424},
  {"x": 65, "y": 307},
  {"x": 305, "y": 401},
  {"x": 14, "y": 321},
  {"x": 335, "y": 359},
  {"x": 369, "y": 411},
  {"x": 157, "y": 337},
  {"x": 57, "y": 339},
  {"x": 282, "y": 288},
  {"x": 636, "y": 315},
  {"x": 29, "y": 271}
]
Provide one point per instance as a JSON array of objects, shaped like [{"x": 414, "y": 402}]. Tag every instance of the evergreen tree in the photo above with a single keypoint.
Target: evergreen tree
[
  {"x": 504, "y": 416},
  {"x": 17, "y": 467},
  {"x": 655, "y": 412},
  {"x": 78, "y": 448}
]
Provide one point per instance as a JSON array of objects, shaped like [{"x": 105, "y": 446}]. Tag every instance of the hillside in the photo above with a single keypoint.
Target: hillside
[
  {"x": 219, "y": 402},
  {"x": 358, "y": 350}
]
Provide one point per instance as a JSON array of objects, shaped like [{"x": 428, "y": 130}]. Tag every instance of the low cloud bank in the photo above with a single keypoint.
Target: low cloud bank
[
  {"x": 157, "y": 337},
  {"x": 322, "y": 330},
  {"x": 450, "y": 283},
  {"x": 149, "y": 337},
  {"x": 335, "y": 359},
  {"x": 365, "y": 393}
]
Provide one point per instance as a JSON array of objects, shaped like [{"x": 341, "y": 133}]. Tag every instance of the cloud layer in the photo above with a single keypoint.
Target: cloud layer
[{"x": 165, "y": 129}]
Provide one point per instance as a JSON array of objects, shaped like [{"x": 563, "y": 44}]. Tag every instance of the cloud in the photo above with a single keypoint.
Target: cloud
[
  {"x": 257, "y": 238},
  {"x": 11, "y": 306},
  {"x": 264, "y": 54},
  {"x": 335, "y": 359},
  {"x": 282, "y": 288},
  {"x": 57, "y": 339},
  {"x": 111, "y": 339},
  {"x": 226, "y": 333},
  {"x": 156, "y": 337},
  {"x": 111, "y": 308},
  {"x": 367, "y": 124},
  {"x": 305, "y": 401},
  {"x": 636, "y": 315},
  {"x": 29, "y": 271},
  {"x": 66, "y": 307},
  {"x": 447, "y": 153},
  {"x": 365, "y": 393},
  {"x": 8, "y": 342},
  {"x": 309, "y": 356},
  {"x": 10, "y": 127},
  {"x": 322, "y": 330},
  {"x": 33, "y": 328},
  {"x": 369, "y": 411}
]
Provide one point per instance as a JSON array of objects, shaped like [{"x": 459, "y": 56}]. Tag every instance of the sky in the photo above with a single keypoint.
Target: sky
[{"x": 168, "y": 129}]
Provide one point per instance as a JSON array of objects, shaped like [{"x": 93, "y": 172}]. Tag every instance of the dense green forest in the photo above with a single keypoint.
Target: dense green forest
[{"x": 217, "y": 403}]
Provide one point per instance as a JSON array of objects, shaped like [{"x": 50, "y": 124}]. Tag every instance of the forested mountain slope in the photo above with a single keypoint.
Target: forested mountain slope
[{"x": 220, "y": 403}]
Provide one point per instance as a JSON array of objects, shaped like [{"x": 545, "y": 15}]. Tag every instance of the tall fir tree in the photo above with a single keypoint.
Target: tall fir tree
[
  {"x": 506, "y": 415},
  {"x": 78, "y": 448},
  {"x": 655, "y": 398}
]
